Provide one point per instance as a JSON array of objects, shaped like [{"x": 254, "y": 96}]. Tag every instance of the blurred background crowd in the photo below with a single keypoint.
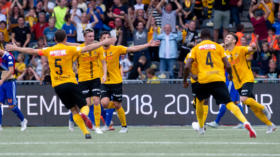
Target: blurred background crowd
[{"x": 176, "y": 23}]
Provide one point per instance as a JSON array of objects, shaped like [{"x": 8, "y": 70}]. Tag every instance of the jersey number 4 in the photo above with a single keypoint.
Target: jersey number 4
[
  {"x": 209, "y": 59},
  {"x": 58, "y": 65}
]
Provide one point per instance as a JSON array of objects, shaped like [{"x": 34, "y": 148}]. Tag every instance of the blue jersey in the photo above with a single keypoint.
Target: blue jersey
[
  {"x": 232, "y": 91},
  {"x": 8, "y": 88}
]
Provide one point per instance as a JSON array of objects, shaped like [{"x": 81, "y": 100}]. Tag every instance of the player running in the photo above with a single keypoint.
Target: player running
[
  {"x": 89, "y": 66},
  {"x": 111, "y": 90},
  {"x": 8, "y": 88},
  {"x": 243, "y": 79},
  {"x": 63, "y": 78},
  {"x": 211, "y": 61}
]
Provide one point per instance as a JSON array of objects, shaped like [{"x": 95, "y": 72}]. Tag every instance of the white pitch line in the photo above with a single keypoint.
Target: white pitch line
[
  {"x": 143, "y": 154},
  {"x": 140, "y": 143}
]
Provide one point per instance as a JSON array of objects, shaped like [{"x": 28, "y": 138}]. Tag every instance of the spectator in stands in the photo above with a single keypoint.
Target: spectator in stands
[
  {"x": 38, "y": 28},
  {"x": 2, "y": 41},
  {"x": 153, "y": 26},
  {"x": 20, "y": 65},
  {"x": 46, "y": 77},
  {"x": 59, "y": 13},
  {"x": 49, "y": 32},
  {"x": 31, "y": 17},
  {"x": 4, "y": 30},
  {"x": 80, "y": 27},
  {"x": 39, "y": 7},
  {"x": 140, "y": 17},
  {"x": 126, "y": 66},
  {"x": 29, "y": 74},
  {"x": 119, "y": 10},
  {"x": 3, "y": 17},
  {"x": 168, "y": 51},
  {"x": 259, "y": 20},
  {"x": 21, "y": 34},
  {"x": 100, "y": 16},
  {"x": 270, "y": 6},
  {"x": 265, "y": 56},
  {"x": 100, "y": 4},
  {"x": 15, "y": 12},
  {"x": 151, "y": 76},
  {"x": 75, "y": 10},
  {"x": 139, "y": 5},
  {"x": 239, "y": 33},
  {"x": 119, "y": 31},
  {"x": 82, "y": 5},
  {"x": 235, "y": 11},
  {"x": 189, "y": 36},
  {"x": 138, "y": 69},
  {"x": 70, "y": 29},
  {"x": 168, "y": 16},
  {"x": 6, "y": 5},
  {"x": 221, "y": 17},
  {"x": 273, "y": 71},
  {"x": 140, "y": 36},
  {"x": 272, "y": 40},
  {"x": 188, "y": 9},
  {"x": 154, "y": 12},
  {"x": 276, "y": 24}
]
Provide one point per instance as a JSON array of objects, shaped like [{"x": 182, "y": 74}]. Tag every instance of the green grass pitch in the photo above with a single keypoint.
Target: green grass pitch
[{"x": 160, "y": 141}]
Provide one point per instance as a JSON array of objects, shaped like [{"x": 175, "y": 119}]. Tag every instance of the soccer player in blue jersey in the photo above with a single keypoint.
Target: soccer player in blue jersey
[
  {"x": 235, "y": 98},
  {"x": 8, "y": 87}
]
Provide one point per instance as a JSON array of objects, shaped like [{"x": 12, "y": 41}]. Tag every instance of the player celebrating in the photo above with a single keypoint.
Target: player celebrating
[
  {"x": 63, "y": 78},
  {"x": 112, "y": 87},
  {"x": 243, "y": 79},
  {"x": 8, "y": 87},
  {"x": 89, "y": 66},
  {"x": 211, "y": 61}
]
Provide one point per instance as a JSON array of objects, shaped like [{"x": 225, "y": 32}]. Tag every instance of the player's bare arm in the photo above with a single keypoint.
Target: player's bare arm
[
  {"x": 227, "y": 67},
  {"x": 188, "y": 67},
  {"x": 137, "y": 48},
  {"x": 107, "y": 41},
  {"x": 104, "y": 67},
  {"x": 30, "y": 51}
]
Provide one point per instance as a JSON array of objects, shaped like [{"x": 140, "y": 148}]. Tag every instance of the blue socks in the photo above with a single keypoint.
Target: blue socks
[
  {"x": 17, "y": 111},
  {"x": 109, "y": 116},
  {"x": 91, "y": 114},
  {"x": 71, "y": 117},
  {"x": 222, "y": 111}
]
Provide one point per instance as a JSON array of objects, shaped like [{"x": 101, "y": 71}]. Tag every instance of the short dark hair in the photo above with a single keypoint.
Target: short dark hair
[
  {"x": 104, "y": 33},
  {"x": 66, "y": 17},
  {"x": 60, "y": 35},
  {"x": 21, "y": 17},
  {"x": 205, "y": 34},
  {"x": 235, "y": 36},
  {"x": 151, "y": 71}
]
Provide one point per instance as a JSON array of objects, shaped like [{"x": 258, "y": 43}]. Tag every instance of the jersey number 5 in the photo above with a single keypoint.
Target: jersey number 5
[
  {"x": 209, "y": 59},
  {"x": 57, "y": 65}
]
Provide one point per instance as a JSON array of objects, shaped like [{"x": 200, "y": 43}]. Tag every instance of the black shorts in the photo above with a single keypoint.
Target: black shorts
[
  {"x": 247, "y": 90},
  {"x": 217, "y": 89},
  {"x": 194, "y": 88},
  {"x": 90, "y": 88},
  {"x": 112, "y": 91},
  {"x": 70, "y": 95}
]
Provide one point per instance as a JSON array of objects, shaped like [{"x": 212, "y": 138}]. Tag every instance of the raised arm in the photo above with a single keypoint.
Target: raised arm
[
  {"x": 251, "y": 9},
  {"x": 159, "y": 6},
  {"x": 179, "y": 6},
  {"x": 108, "y": 41},
  {"x": 95, "y": 20},
  {"x": 267, "y": 12},
  {"x": 137, "y": 48}
]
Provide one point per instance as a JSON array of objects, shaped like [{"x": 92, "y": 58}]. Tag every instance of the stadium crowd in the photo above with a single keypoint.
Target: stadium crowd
[{"x": 176, "y": 23}]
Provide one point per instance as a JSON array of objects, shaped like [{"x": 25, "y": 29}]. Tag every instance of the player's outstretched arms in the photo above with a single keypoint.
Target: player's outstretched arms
[
  {"x": 152, "y": 43},
  {"x": 13, "y": 47},
  {"x": 108, "y": 41}
]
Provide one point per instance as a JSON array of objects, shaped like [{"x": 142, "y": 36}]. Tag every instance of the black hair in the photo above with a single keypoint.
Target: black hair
[
  {"x": 60, "y": 35},
  {"x": 205, "y": 34},
  {"x": 104, "y": 33}
]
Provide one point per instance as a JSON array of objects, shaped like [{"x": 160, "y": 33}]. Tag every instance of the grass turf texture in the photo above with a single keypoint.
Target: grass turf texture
[{"x": 167, "y": 141}]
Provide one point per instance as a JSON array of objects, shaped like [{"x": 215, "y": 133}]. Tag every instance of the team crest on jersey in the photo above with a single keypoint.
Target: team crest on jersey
[
  {"x": 58, "y": 53},
  {"x": 207, "y": 47}
]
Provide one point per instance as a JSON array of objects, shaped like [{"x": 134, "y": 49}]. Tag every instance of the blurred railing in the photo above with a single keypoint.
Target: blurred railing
[{"x": 159, "y": 81}]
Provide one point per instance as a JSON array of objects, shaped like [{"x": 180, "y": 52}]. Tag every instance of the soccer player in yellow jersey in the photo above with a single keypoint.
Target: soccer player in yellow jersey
[
  {"x": 63, "y": 78},
  {"x": 211, "y": 62},
  {"x": 243, "y": 78},
  {"x": 111, "y": 89},
  {"x": 194, "y": 85},
  {"x": 90, "y": 65}
]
